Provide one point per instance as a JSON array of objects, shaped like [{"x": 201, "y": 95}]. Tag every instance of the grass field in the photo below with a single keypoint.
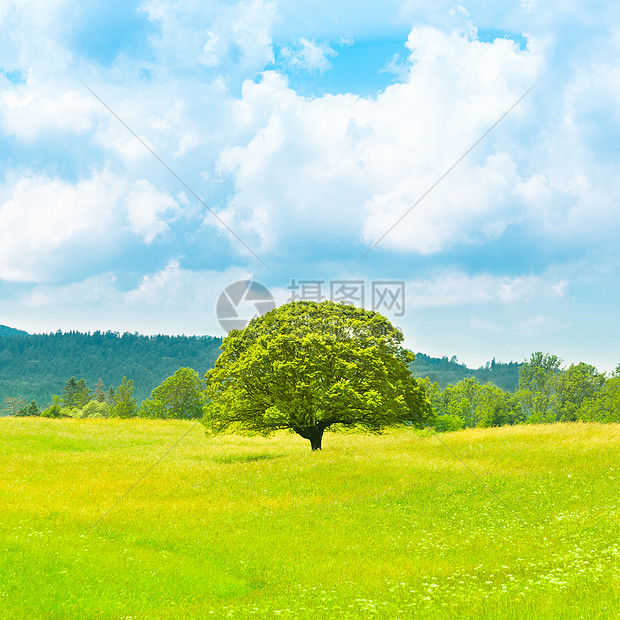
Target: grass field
[{"x": 520, "y": 522}]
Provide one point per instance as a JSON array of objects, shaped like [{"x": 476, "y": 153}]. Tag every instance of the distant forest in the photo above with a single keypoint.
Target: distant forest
[
  {"x": 447, "y": 372},
  {"x": 34, "y": 367},
  {"x": 37, "y": 366}
]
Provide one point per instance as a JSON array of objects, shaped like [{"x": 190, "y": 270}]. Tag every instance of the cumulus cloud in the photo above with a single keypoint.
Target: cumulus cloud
[
  {"x": 354, "y": 165},
  {"x": 29, "y": 110},
  {"x": 297, "y": 176},
  {"x": 539, "y": 325},
  {"x": 32, "y": 37},
  {"x": 149, "y": 211},
  {"x": 42, "y": 219},
  {"x": 175, "y": 286},
  {"x": 360, "y": 164},
  {"x": 51, "y": 230},
  {"x": 573, "y": 192}
]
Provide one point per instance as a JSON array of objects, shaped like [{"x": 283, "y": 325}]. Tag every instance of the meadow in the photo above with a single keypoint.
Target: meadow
[{"x": 151, "y": 519}]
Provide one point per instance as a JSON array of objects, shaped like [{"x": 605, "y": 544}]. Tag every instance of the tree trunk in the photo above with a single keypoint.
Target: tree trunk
[
  {"x": 313, "y": 433},
  {"x": 316, "y": 435}
]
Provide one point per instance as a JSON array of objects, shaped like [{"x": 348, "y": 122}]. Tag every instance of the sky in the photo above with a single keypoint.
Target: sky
[{"x": 455, "y": 166}]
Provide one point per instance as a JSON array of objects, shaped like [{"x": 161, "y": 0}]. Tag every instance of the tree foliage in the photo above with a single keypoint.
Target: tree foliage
[
  {"x": 179, "y": 396},
  {"x": 99, "y": 393},
  {"x": 604, "y": 406},
  {"x": 30, "y": 410},
  {"x": 576, "y": 384},
  {"x": 547, "y": 393},
  {"x": 307, "y": 366},
  {"x": 92, "y": 409},
  {"x": 76, "y": 394},
  {"x": 125, "y": 405},
  {"x": 470, "y": 404},
  {"x": 498, "y": 408},
  {"x": 538, "y": 381},
  {"x": 54, "y": 410}
]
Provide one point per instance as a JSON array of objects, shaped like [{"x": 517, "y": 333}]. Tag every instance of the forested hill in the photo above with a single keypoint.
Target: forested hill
[
  {"x": 9, "y": 332},
  {"x": 449, "y": 372},
  {"x": 36, "y": 366}
]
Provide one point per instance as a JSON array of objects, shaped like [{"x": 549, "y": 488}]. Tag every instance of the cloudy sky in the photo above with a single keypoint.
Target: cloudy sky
[{"x": 154, "y": 152}]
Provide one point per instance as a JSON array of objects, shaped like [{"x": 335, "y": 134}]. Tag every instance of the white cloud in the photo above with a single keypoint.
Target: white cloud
[
  {"x": 164, "y": 286},
  {"x": 460, "y": 289},
  {"x": 43, "y": 219},
  {"x": 312, "y": 181},
  {"x": 32, "y": 34},
  {"x": 309, "y": 55},
  {"x": 172, "y": 300},
  {"x": 343, "y": 167},
  {"x": 573, "y": 193},
  {"x": 51, "y": 229},
  {"x": 149, "y": 211},
  {"x": 235, "y": 36},
  {"x": 181, "y": 300},
  {"x": 298, "y": 176},
  {"x": 99, "y": 290},
  {"x": 210, "y": 48},
  {"x": 26, "y": 111}
]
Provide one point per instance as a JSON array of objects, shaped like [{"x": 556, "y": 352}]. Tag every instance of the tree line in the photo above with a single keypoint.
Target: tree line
[
  {"x": 180, "y": 396},
  {"x": 34, "y": 367},
  {"x": 546, "y": 393}
]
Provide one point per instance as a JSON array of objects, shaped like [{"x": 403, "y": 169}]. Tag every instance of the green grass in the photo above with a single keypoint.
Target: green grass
[{"x": 501, "y": 523}]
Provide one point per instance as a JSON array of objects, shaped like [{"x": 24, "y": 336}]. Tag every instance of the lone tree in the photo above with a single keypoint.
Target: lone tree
[
  {"x": 179, "y": 396},
  {"x": 306, "y": 366}
]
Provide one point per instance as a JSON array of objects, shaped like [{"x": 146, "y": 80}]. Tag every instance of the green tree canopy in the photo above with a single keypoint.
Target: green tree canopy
[
  {"x": 179, "y": 396},
  {"x": 498, "y": 408},
  {"x": 576, "y": 384},
  {"x": 307, "y": 366},
  {"x": 463, "y": 400},
  {"x": 538, "y": 387},
  {"x": 125, "y": 405},
  {"x": 53, "y": 411},
  {"x": 76, "y": 393},
  {"x": 604, "y": 406},
  {"x": 30, "y": 410}
]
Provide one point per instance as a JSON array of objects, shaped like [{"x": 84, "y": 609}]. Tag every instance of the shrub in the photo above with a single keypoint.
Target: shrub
[
  {"x": 449, "y": 422},
  {"x": 53, "y": 411}
]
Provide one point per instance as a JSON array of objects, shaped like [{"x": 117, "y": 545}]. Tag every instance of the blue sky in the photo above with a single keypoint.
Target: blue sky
[{"x": 309, "y": 130}]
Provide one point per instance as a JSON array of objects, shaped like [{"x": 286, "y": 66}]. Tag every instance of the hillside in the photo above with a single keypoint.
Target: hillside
[
  {"x": 37, "y": 366},
  {"x": 449, "y": 372},
  {"x": 10, "y": 332}
]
